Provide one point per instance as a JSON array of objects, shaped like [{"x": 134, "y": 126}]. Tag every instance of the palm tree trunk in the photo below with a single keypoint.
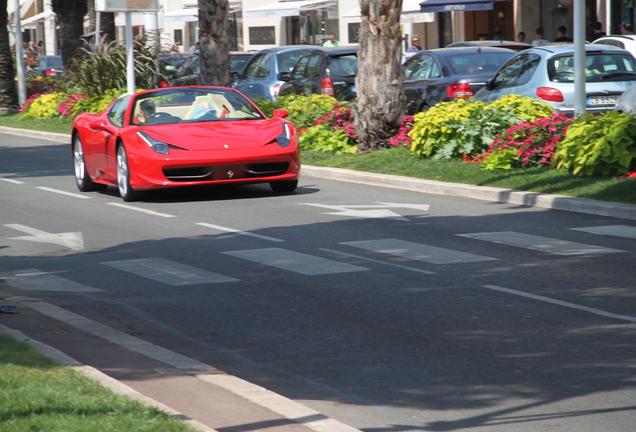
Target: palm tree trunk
[
  {"x": 8, "y": 93},
  {"x": 380, "y": 103},
  {"x": 70, "y": 17},
  {"x": 214, "y": 47}
]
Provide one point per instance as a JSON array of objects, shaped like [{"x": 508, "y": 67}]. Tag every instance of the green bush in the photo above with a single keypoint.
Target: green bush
[
  {"x": 96, "y": 103},
  {"x": 267, "y": 106},
  {"x": 604, "y": 145},
  {"x": 323, "y": 139},
  {"x": 303, "y": 110},
  {"x": 465, "y": 127},
  {"x": 45, "y": 106}
]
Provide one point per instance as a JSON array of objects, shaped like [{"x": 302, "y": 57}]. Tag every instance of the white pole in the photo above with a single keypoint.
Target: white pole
[
  {"x": 608, "y": 17},
  {"x": 130, "y": 54},
  {"x": 579, "y": 57},
  {"x": 19, "y": 54},
  {"x": 98, "y": 28}
]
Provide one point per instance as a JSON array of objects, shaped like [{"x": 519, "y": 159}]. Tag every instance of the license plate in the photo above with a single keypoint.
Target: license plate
[{"x": 602, "y": 100}]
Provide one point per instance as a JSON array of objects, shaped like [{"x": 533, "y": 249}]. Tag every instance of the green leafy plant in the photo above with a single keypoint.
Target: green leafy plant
[
  {"x": 44, "y": 106},
  {"x": 522, "y": 107},
  {"x": 96, "y": 103},
  {"x": 323, "y": 139},
  {"x": 501, "y": 159},
  {"x": 267, "y": 106},
  {"x": 604, "y": 145}
]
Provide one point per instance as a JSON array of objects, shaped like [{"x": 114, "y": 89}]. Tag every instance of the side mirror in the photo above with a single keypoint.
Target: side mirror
[
  {"x": 284, "y": 76},
  {"x": 280, "y": 113},
  {"x": 235, "y": 76},
  {"x": 490, "y": 84}
]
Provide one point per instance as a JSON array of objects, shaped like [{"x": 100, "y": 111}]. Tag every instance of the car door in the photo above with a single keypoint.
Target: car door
[
  {"x": 254, "y": 82},
  {"x": 296, "y": 77},
  {"x": 311, "y": 80},
  {"x": 115, "y": 118},
  {"x": 419, "y": 73}
]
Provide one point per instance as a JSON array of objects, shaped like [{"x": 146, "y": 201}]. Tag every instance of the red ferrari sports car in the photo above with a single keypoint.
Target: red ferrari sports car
[{"x": 184, "y": 136}]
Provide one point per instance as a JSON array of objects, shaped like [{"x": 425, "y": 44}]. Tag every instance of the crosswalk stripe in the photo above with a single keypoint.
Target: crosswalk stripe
[
  {"x": 36, "y": 280},
  {"x": 539, "y": 243},
  {"x": 168, "y": 272},
  {"x": 417, "y": 251},
  {"x": 626, "y": 231},
  {"x": 293, "y": 261}
]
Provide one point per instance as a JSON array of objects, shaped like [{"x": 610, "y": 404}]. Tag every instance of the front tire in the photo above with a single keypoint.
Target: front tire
[
  {"x": 82, "y": 179},
  {"x": 284, "y": 186},
  {"x": 123, "y": 177}
]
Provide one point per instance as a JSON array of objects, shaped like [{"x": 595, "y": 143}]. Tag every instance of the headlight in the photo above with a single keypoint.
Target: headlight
[
  {"x": 155, "y": 144},
  {"x": 284, "y": 139}
]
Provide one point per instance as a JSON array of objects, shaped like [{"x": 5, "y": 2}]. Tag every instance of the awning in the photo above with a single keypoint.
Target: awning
[
  {"x": 456, "y": 5},
  {"x": 410, "y": 13},
  {"x": 286, "y": 9}
]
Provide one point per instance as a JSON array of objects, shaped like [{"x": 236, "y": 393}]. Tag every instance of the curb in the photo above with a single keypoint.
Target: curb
[
  {"x": 483, "y": 193},
  {"x": 101, "y": 378}
]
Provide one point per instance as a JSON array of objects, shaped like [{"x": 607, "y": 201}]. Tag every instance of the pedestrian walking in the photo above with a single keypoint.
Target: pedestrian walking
[
  {"x": 562, "y": 35},
  {"x": 332, "y": 41},
  {"x": 626, "y": 28},
  {"x": 521, "y": 37},
  {"x": 539, "y": 37},
  {"x": 416, "y": 45}
]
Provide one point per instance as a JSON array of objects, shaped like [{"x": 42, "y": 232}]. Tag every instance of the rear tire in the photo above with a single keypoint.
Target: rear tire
[
  {"x": 126, "y": 191},
  {"x": 82, "y": 179},
  {"x": 284, "y": 186}
]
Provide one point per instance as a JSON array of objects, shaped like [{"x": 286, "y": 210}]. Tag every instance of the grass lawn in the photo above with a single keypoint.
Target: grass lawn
[
  {"x": 38, "y": 395},
  {"x": 400, "y": 161},
  {"x": 61, "y": 125}
]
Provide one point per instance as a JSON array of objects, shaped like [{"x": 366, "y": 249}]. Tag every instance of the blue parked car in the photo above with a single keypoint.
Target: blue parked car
[
  {"x": 547, "y": 73},
  {"x": 262, "y": 75}
]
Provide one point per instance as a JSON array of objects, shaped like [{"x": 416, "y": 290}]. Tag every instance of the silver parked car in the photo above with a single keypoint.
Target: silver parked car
[
  {"x": 547, "y": 73},
  {"x": 627, "y": 102}
]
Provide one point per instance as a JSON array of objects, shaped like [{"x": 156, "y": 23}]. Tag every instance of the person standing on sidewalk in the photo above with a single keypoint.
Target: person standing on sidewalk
[{"x": 332, "y": 41}]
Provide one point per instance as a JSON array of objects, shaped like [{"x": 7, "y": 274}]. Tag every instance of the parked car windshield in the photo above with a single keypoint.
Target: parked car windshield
[
  {"x": 478, "y": 63},
  {"x": 344, "y": 65},
  {"x": 191, "y": 105},
  {"x": 287, "y": 59},
  {"x": 598, "y": 67}
]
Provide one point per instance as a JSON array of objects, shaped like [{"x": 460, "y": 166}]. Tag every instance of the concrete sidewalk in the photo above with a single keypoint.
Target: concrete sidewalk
[{"x": 484, "y": 193}]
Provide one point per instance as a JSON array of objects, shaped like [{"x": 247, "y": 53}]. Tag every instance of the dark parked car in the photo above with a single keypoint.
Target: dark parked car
[
  {"x": 517, "y": 46},
  {"x": 49, "y": 65},
  {"x": 448, "y": 73},
  {"x": 188, "y": 73},
  {"x": 262, "y": 76},
  {"x": 324, "y": 71}
]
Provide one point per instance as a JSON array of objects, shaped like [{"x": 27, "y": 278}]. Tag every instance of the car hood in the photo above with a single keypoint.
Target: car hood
[{"x": 218, "y": 134}]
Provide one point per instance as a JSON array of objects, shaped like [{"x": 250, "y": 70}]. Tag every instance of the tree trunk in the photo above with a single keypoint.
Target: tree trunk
[
  {"x": 70, "y": 17},
  {"x": 8, "y": 93},
  {"x": 380, "y": 103},
  {"x": 91, "y": 14},
  {"x": 214, "y": 47}
]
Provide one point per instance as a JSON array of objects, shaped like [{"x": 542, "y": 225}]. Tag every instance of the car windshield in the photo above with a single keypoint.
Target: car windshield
[
  {"x": 192, "y": 105},
  {"x": 478, "y": 63},
  {"x": 598, "y": 68},
  {"x": 287, "y": 59},
  {"x": 344, "y": 65}
]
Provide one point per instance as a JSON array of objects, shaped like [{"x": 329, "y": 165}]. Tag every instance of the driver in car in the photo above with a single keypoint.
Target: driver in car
[{"x": 147, "y": 109}]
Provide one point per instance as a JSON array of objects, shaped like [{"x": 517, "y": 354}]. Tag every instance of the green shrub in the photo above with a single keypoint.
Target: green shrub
[
  {"x": 45, "y": 106},
  {"x": 465, "y": 127},
  {"x": 267, "y": 106},
  {"x": 323, "y": 139},
  {"x": 604, "y": 145},
  {"x": 303, "y": 110},
  {"x": 97, "y": 103}
]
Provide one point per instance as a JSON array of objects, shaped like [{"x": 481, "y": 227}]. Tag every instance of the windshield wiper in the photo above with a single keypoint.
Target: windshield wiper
[{"x": 617, "y": 75}]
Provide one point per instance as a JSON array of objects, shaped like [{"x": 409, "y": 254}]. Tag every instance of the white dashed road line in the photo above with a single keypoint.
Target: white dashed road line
[
  {"x": 168, "y": 272},
  {"x": 413, "y": 269},
  {"x": 61, "y": 192},
  {"x": 236, "y": 231},
  {"x": 625, "y": 231},
  {"x": 594, "y": 311},
  {"x": 142, "y": 210},
  {"x": 10, "y": 180}
]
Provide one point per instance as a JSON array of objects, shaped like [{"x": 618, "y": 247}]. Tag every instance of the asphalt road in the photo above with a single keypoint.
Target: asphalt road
[{"x": 386, "y": 310}]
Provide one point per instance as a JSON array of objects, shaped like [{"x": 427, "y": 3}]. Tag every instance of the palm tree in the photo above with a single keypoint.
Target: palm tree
[
  {"x": 70, "y": 17},
  {"x": 8, "y": 94},
  {"x": 214, "y": 51},
  {"x": 380, "y": 103}
]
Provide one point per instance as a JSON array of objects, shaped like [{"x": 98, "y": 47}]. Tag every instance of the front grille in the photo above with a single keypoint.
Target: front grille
[
  {"x": 267, "y": 169},
  {"x": 189, "y": 174}
]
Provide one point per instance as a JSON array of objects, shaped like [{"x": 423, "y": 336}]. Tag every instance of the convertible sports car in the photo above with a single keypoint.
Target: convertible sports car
[{"x": 184, "y": 136}]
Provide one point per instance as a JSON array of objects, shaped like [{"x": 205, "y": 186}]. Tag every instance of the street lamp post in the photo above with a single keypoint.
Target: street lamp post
[
  {"x": 579, "y": 57},
  {"x": 19, "y": 54},
  {"x": 130, "y": 54}
]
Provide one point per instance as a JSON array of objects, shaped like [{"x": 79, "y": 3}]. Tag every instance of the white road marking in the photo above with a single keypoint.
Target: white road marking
[
  {"x": 294, "y": 261},
  {"x": 380, "y": 210},
  {"x": 70, "y": 240},
  {"x": 413, "y": 269},
  {"x": 119, "y": 338},
  {"x": 417, "y": 251},
  {"x": 168, "y": 272},
  {"x": 10, "y": 180},
  {"x": 236, "y": 231},
  {"x": 594, "y": 311},
  {"x": 626, "y": 231},
  {"x": 142, "y": 210},
  {"x": 538, "y": 243},
  {"x": 61, "y": 192},
  {"x": 36, "y": 280}
]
